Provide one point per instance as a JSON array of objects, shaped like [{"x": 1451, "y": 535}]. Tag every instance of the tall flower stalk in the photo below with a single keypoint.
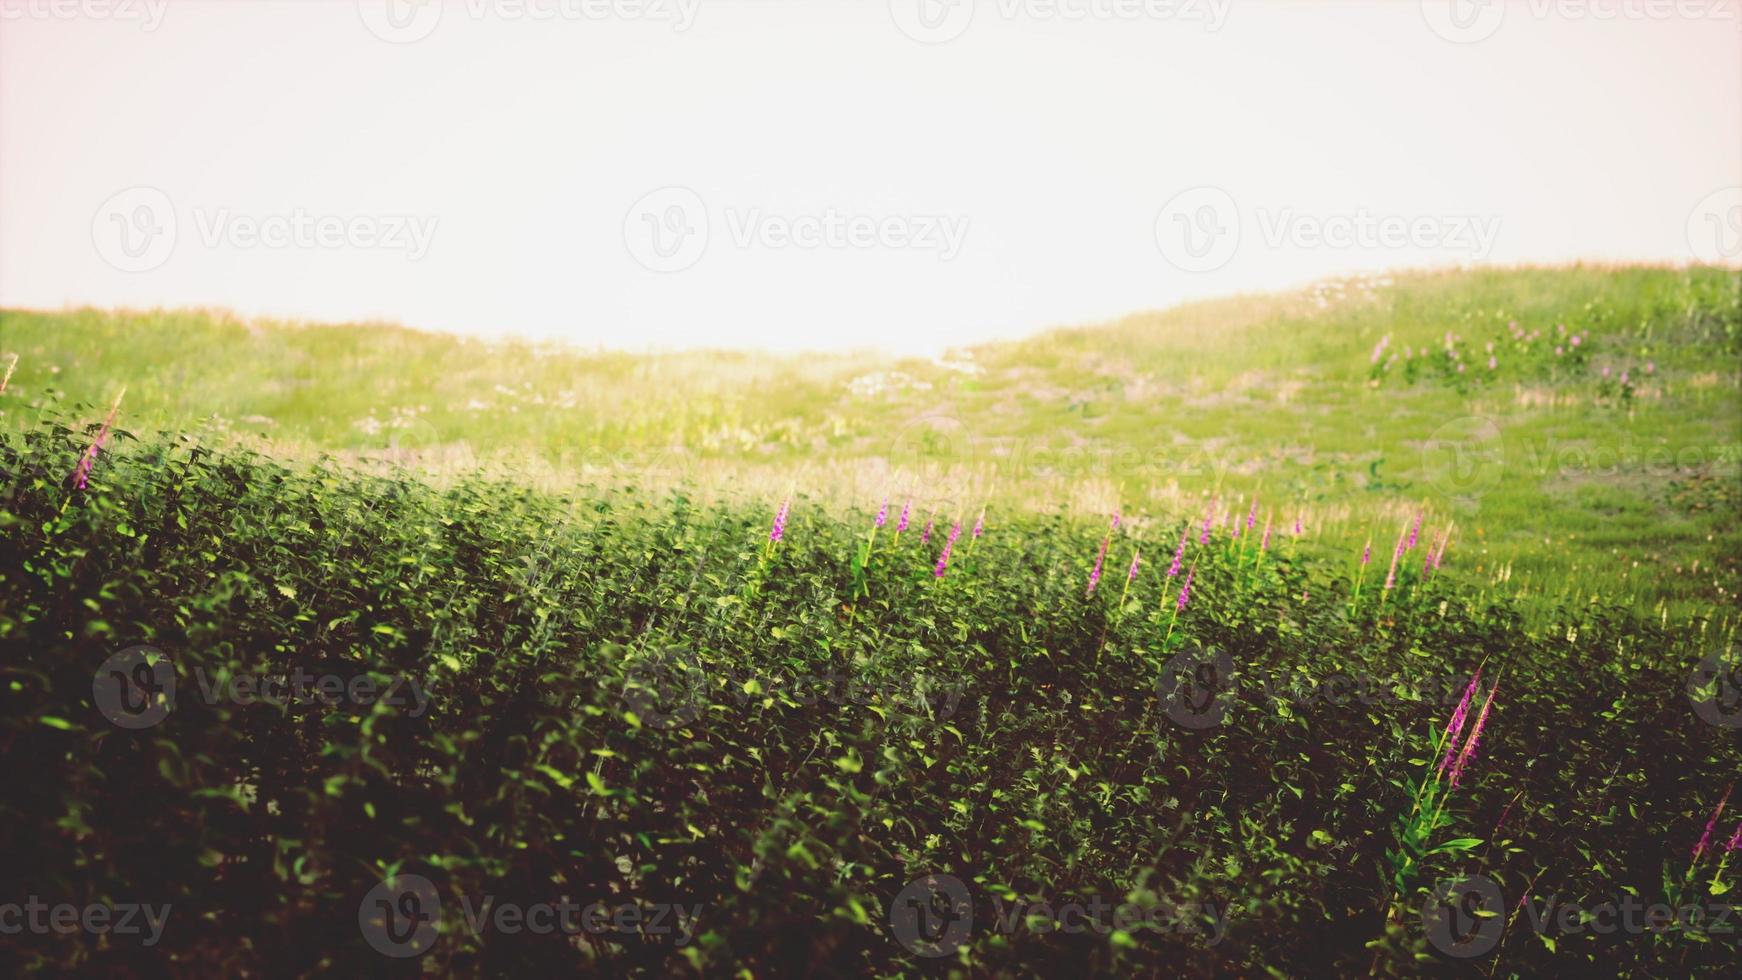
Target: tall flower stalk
[
  {"x": 979, "y": 529},
  {"x": 1706, "y": 838},
  {"x": 1179, "y": 605},
  {"x": 82, "y": 474},
  {"x": 1396, "y": 555},
  {"x": 943, "y": 564},
  {"x": 10, "y": 367},
  {"x": 1361, "y": 575},
  {"x": 1417, "y": 832},
  {"x": 777, "y": 530},
  {"x": 1130, "y": 574}
]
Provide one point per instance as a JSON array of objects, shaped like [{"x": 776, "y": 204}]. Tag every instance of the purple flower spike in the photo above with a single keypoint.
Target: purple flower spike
[
  {"x": 1469, "y": 751},
  {"x": 1706, "y": 838},
  {"x": 778, "y": 531},
  {"x": 1179, "y": 553},
  {"x": 1455, "y": 727},
  {"x": 1095, "y": 576}
]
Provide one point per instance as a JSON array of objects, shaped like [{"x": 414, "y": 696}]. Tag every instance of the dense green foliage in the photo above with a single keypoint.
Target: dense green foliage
[{"x": 634, "y": 695}]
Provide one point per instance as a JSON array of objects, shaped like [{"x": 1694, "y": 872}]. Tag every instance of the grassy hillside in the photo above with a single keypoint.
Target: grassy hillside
[{"x": 1562, "y": 478}]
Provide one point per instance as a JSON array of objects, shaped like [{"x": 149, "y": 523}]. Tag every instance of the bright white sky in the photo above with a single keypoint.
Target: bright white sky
[{"x": 1025, "y": 170}]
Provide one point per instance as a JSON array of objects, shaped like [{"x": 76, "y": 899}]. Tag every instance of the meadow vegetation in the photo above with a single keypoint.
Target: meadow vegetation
[{"x": 1266, "y": 618}]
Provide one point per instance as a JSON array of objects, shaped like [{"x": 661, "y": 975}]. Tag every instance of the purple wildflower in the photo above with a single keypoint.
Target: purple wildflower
[
  {"x": 1185, "y": 591},
  {"x": 778, "y": 531},
  {"x": 1574, "y": 340},
  {"x": 1706, "y": 838},
  {"x": 1095, "y": 576},
  {"x": 1297, "y": 525},
  {"x": 925, "y": 536},
  {"x": 1179, "y": 552},
  {"x": 1650, "y": 368},
  {"x": 1396, "y": 553},
  {"x": 83, "y": 473},
  {"x": 980, "y": 523},
  {"x": 1367, "y": 553},
  {"x": 1469, "y": 751},
  {"x": 1379, "y": 349},
  {"x": 1455, "y": 727},
  {"x": 883, "y": 515},
  {"x": 1735, "y": 839},
  {"x": 1414, "y": 530},
  {"x": 1623, "y": 377},
  {"x": 1493, "y": 362},
  {"x": 949, "y": 545},
  {"x": 1252, "y": 515},
  {"x": 1130, "y": 574},
  {"x": 906, "y": 508},
  {"x": 1264, "y": 542},
  {"x": 1204, "y": 538},
  {"x": 943, "y": 560}
]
